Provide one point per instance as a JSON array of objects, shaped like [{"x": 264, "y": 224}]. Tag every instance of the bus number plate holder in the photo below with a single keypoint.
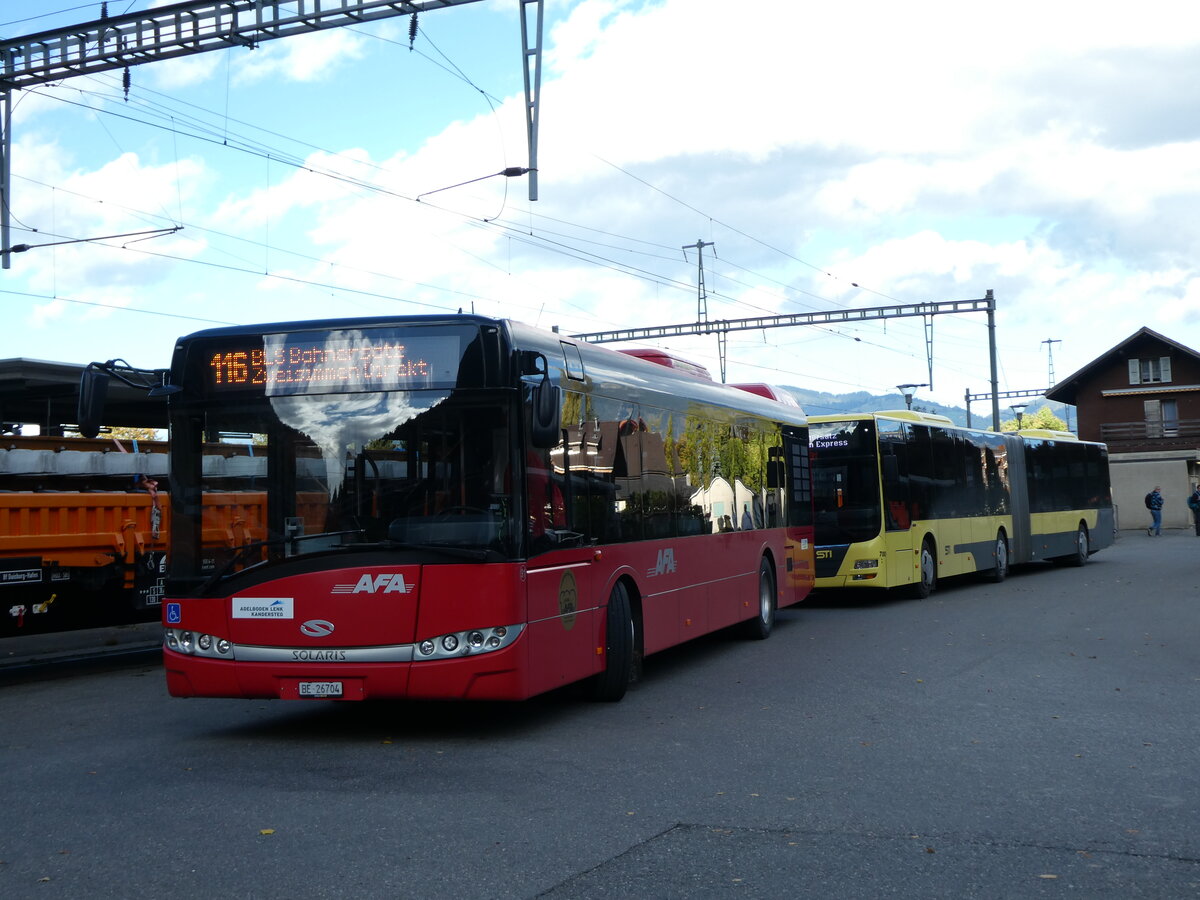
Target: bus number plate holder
[{"x": 320, "y": 689}]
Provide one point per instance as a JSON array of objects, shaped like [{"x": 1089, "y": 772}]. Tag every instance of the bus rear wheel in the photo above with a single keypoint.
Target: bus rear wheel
[
  {"x": 760, "y": 627},
  {"x": 998, "y": 573},
  {"x": 922, "y": 588},
  {"x": 1080, "y": 556},
  {"x": 620, "y": 646}
]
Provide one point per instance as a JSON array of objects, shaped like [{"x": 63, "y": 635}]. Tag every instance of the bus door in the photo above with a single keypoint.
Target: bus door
[
  {"x": 900, "y": 445},
  {"x": 564, "y": 626},
  {"x": 564, "y": 623},
  {"x": 790, "y": 503}
]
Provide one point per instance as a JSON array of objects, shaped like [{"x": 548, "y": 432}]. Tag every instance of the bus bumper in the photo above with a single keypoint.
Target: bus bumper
[{"x": 491, "y": 676}]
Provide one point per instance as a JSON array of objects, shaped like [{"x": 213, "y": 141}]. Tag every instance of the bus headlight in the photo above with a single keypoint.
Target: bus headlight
[
  {"x": 866, "y": 564},
  {"x": 197, "y": 644},
  {"x": 468, "y": 643}
]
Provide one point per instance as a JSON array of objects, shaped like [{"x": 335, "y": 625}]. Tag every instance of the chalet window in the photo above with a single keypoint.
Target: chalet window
[
  {"x": 1162, "y": 418},
  {"x": 1170, "y": 418},
  {"x": 1155, "y": 370}
]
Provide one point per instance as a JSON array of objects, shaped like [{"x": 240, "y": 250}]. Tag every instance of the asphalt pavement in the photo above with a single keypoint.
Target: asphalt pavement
[
  {"x": 22, "y": 651},
  {"x": 1034, "y": 738}
]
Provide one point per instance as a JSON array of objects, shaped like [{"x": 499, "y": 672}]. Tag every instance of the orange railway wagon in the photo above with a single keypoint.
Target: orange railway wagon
[
  {"x": 83, "y": 528},
  {"x": 82, "y": 533}
]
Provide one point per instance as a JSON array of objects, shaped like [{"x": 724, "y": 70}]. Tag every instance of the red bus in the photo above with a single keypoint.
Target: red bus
[{"x": 463, "y": 507}]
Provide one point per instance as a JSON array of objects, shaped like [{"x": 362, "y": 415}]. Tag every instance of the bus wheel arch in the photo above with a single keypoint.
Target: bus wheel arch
[
  {"x": 1080, "y": 556},
  {"x": 926, "y": 570},
  {"x": 999, "y": 571},
  {"x": 622, "y": 643},
  {"x": 639, "y": 644},
  {"x": 760, "y": 626}
]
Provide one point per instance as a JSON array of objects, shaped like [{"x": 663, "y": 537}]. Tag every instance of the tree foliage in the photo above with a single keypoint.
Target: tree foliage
[{"x": 1043, "y": 419}]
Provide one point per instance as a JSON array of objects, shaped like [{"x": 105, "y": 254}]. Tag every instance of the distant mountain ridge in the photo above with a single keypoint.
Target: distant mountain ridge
[{"x": 822, "y": 403}]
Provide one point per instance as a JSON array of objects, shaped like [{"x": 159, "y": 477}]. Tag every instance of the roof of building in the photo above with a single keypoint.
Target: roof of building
[{"x": 1065, "y": 390}]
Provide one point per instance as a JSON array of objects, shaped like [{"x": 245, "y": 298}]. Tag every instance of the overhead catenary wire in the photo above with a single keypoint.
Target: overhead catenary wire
[
  {"x": 210, "y": 134},
  {"x": 213, "y": 135},
  {"x": 562, "y": 245}
]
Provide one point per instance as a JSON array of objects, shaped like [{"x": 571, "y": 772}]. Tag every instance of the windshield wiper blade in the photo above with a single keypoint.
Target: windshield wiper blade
[
  {"x": 461, "y": 552},
  {"x": 240, "y": 553}
]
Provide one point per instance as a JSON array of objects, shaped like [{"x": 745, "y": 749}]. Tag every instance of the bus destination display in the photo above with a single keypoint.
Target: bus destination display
[{"x": 334, "y": 362}]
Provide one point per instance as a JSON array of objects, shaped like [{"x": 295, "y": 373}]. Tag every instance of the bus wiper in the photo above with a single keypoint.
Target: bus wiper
[
  {"x": 244, "y": 549},
  {"x": 448, "y": 549},
  {"x": 238, "y": 555}
]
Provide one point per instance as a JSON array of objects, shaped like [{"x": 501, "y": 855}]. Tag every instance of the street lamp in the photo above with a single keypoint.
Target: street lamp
[
  {"x": 1019, "y": 409},
  {"x": 907, "y": 391}
]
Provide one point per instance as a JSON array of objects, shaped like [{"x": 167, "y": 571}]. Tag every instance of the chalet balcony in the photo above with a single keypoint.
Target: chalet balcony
[{"x": 1130, "y": 437}]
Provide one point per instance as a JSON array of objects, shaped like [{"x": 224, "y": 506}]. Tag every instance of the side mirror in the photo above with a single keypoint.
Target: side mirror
[
  {"x": 546, "y": 401},
  {"x": 547, "y": 414},
  {"x": 93, "y": 389}
]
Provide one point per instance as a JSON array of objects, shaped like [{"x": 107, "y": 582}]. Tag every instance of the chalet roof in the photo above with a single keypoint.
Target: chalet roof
[
  {"x": 34, "y": 391},
  {"x": 1065, "y": 390}
]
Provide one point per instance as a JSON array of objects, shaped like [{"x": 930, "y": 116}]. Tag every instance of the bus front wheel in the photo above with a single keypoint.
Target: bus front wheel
[
  {"x": 998, "y": 572},
  {"x": 923, "y": 587},
  {"x": 759, "y": 628},
  {"x": 620, "y": 648}
]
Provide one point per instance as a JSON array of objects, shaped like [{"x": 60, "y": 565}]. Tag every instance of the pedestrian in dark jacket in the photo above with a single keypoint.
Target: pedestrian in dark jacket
[
  {"x": 1154, "y": 503},
  {"x": 1193, "y": 503}
]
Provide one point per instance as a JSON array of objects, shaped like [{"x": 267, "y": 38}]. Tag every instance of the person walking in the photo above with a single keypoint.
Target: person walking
[
  {"x": 1193, "y": 502},
  {"x": 1154, "y": 503}
]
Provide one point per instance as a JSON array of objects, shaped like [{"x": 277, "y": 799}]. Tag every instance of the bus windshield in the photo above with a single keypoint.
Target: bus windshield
[
  {"x": 303, "y": 474},
  {"x": 845, "y": 474}
]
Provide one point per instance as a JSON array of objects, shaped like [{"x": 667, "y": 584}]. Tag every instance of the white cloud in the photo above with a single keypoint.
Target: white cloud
[{"x": 925, "y": 152}]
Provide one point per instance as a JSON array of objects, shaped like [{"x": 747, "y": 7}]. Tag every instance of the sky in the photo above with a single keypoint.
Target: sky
[{"x": 824, "y": 156}]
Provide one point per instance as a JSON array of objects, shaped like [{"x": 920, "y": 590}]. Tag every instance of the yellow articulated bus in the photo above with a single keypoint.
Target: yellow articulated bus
[{"x": 903, "y": 499}]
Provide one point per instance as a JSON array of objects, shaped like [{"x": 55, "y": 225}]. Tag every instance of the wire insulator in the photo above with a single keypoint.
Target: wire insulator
[
  {"x": 412, "y": 30},
  {"x": 125, "y": 82}
]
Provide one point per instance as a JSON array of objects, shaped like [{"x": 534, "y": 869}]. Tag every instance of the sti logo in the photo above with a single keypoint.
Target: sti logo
[
  {"x": 387, "y": 583},
  {"x": 665, "y": 564}
]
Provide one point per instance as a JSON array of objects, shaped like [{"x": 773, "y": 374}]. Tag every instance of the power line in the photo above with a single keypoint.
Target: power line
[
  {"x": 536, "y": 240},
  {"x": 533, "y": 239},
  {"x": 109, "y": 306}
]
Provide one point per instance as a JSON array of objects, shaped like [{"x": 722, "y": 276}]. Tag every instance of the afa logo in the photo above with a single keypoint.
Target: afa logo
[
  {"x": 664, "y": 565},
  {"x": 387, "y": 583}
]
